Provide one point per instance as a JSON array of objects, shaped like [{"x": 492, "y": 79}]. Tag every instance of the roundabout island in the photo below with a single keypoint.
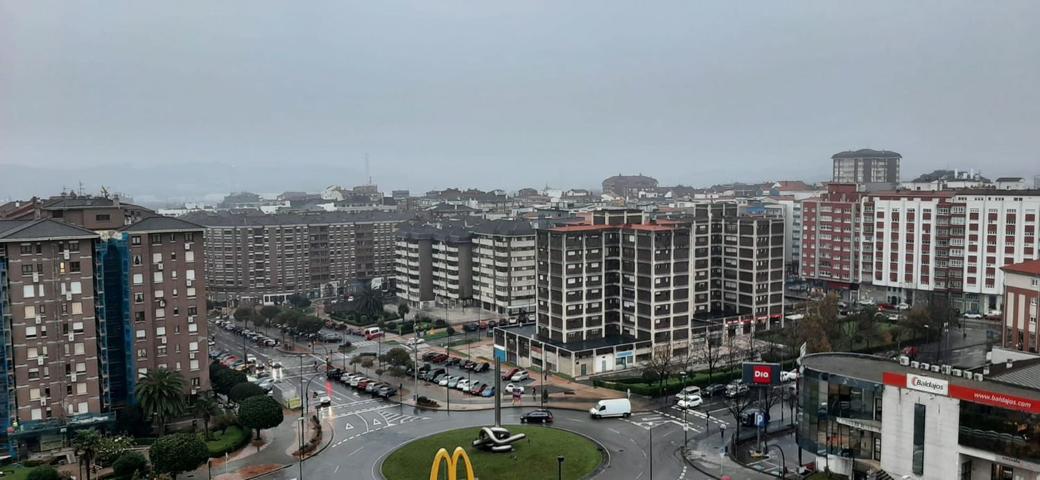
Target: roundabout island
[{"x": 534, "y": 456}]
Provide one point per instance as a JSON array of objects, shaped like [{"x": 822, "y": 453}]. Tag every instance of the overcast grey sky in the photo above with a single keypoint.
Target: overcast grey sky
[{"x": 275, "y": 95}]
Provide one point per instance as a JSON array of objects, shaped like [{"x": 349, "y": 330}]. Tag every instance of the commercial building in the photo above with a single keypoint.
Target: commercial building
[
  {"x": 866, "y": 166},
  {"x": 869, "y": 415},
  {"x": 90, "y": 212},
  {"x": 628, "y": 186},
  {"x": 258, "y": 258},
  {"x": 1021, "y": 298},
  {"x": 625, "y": 286}
]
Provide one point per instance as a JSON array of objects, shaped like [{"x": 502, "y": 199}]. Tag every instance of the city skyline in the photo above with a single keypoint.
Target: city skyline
[{"x": 523, "y": 95}]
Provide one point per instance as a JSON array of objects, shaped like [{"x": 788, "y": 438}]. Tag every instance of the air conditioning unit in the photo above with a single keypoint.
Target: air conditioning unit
[
  {"x": 72, "y": 377},
  {"x": 39, "y": 319},
  {"x": 159, "y": 266},
  {"x": 68, "y": 296},
  {"x": 162, "y": 340},
  {"x": 72, "y": 336},
  {"x": 915, "y": 364},
  {"x": 189, "y": 283},
  {"x": 65, "y": 254},
  {"x": 957, "y": 372},
  {"x": 935, "y": 368},
  {"x": 36, "y": 277},
  {"x": 978, "y": 377},
  {"x": 39, "y": 360},
  {"x": 925, "y": 366},
  {"x": 946, "y": 369}
]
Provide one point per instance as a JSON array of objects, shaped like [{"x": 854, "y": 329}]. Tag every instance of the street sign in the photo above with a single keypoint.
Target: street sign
[
  {"x": 760, "y": 420},
  {"x": 757, "y": 373}
]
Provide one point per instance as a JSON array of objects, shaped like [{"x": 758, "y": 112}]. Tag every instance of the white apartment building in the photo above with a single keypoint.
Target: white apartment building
[{"x": 504, "y": 267}]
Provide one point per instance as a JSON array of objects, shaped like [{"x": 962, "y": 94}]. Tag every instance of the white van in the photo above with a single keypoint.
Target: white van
[
  {"x": 372, "y": 332},
  {"x": 616, "y": 407}
]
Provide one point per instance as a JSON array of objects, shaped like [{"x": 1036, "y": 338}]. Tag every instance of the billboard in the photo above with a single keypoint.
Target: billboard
[{"x": 758, "y": 373}]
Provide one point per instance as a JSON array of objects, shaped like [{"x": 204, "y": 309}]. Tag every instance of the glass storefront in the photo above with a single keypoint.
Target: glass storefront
[
  {"x": 1005, "y": 432},
  {"x": 838, "y": 415}
]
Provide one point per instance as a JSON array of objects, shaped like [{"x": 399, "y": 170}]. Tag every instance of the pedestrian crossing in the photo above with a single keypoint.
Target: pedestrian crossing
[
  {"x": 694, "y": 420},
  {"x": 677, "y": 412}
]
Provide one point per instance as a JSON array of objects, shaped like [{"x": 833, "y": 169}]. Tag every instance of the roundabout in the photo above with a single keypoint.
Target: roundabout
[{"x": 534, "y": 456}]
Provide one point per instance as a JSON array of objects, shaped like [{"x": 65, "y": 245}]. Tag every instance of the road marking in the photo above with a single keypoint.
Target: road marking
[
  {"x": 337, "y": 469},
  {"x": 351, "y": 454}
]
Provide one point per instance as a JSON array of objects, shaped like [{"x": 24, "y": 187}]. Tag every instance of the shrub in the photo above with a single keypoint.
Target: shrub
[
  {"x": 45, "y": 472},
  {"x": 231, "y": 439},
  {"x": 180, "y": 452},
  {"x": 245, "y": 390},
  {"x": 223, "y": 422},
  {"x": 110, "y": 449},
  {"x": 129, "y": 463}
]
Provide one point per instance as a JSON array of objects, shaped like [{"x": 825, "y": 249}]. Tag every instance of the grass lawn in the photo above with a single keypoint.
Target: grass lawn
[
  {"x": 533, "y": 457},
  {"x": 232, "y": 439},
  {"x": 12, "y": 472}
]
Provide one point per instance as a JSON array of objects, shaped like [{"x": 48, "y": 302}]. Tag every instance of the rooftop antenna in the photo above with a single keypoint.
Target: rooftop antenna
[{"x": 368, "y": 173}]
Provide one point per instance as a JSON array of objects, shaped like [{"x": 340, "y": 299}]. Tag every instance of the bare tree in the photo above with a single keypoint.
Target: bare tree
[
  {"x": 710, "y": 353},
  {"x": 736, "y": 407},
  {"x": 661, "y": 364}
]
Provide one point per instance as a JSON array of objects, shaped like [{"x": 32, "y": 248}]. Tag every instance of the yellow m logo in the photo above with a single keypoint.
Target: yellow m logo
[{"x": 453, "y": 463}]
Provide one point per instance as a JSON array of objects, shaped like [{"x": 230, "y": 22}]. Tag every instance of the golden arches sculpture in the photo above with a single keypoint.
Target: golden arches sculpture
[{"x": 453, "y": 463}]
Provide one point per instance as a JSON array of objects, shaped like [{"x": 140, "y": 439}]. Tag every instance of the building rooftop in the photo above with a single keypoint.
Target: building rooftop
[
  {"x": 161, "y": 224},
  {"x": 871, "y": 369},
  {"x": 42, "y": 229},
  {"x": 867, "y": 153},
  {"x": 252, "y": 219},
  {"x": 1010, "y": 179},
  {"x": 505, "y": 227},
  {"x": 1031, "y": 267}
]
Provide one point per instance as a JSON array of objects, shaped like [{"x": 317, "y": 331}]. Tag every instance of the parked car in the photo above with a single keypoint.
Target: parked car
[
  {"x": 509, "y": 375},
  {"x": 747, "y": 418},
  {"x": 386, "y": 392},
  {"x": 973, "y": 316},
  {"x": 463, "y": 385},
  {"x": 454, "y": 381},
  {"x": 514, "y": 388},
  {"x": 736, "y": 389},
  {"x": 520, "y": 376},
  {"x": 481, "y": 367},
  {"x": 475, "y": 386},
  {"x": 537, "y": 416},
  {"x": 688, "y": 391},
  {"x": 488, "y": 392}
]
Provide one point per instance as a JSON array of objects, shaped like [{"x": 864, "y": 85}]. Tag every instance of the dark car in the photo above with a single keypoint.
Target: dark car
[
  {"x": 468, "y": 365},
  {"x": 470, "y": 327},
  {"x": 480, "y": 368},
  {"x": 334, "y": 374},
  {"x": 714, "y": 390},
  {"x": 537, "y": 416},
  {"x": 386, "y": 392},
  {"x": 453, "y": 361},
  {"x": 747, "y": 418}
]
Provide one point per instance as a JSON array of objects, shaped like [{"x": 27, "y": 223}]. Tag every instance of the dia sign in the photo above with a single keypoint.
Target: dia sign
[{"x": 762, "y": 374}]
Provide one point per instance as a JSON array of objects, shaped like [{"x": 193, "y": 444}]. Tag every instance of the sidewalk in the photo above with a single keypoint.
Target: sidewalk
[{"x": 277, "y": 452}]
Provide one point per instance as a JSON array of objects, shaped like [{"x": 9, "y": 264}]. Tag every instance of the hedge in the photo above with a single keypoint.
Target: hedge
[{"x": 231, "y": 439}]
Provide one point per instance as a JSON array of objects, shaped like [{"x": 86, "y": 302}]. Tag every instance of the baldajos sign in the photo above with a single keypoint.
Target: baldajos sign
[{"x": 927, "y": 384}]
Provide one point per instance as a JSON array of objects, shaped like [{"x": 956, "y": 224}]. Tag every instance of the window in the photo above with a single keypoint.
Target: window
[
  {"x": 157, "y": 277},
  {"x": 189, "y": 237},
  {"x": 77, "y": 327},
  {"x": 30, "y": 311},
  {"x": 138, "y": 316},
  {"x": 76, "y": 288},
  {"x": 189, "y": 256},
  {"x": 27, "y": 269},
  {"x": 102, "y": 217},
  {"x": 79, "y": 349},
  {"x": 77, "y": 308},
  {"x": 25, "y": 249},
  {"x": 73, "y": 245},
  {"x": 138, "y": 279},
  {"x": 156, "y": 238},
  {"x": 135, "y": 240},
  {"x": 28, "y": 291},
  {"x": 137, "y": 259},
  {"x": 920, "y": 412},
  {"x": 30, "y": 331},
  {"x": 81, "y": 388},
  {"x": 74, "y": 267},
  {"x": 156, "y": 257},
  {"x": 138, "y": 297},
  {"x": 141, "y": 334}
]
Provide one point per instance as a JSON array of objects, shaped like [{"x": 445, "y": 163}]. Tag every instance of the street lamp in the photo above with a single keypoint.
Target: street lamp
[
  {"x": 559, "y": 467},
  {"x": 685, "y": 439},
  {"x": 783, "y": 460}
]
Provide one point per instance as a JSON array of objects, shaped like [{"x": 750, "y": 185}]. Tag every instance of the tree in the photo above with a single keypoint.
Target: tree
[
  {"x": 244, "y": 314},
  {"x": 660, "y": 365},
  {"x": 736, "y": 407},
  {"x": 130, "y": 463},
  {"x": 308, "y": 324},
  {"x": 178, "y": 453},
  {"x": 403, "y": 310},
  {"x": 867, "y": 328},
  {"x": 259, "y": 413},
  {"x": 298, "y": 301},
  {"x": 369, "y": 301},
  {"x": 224, "y": 379},
  {"x": 159, "y": 393},
  {"x": 45, "y": 472},
  {"x": 85, "y": 444},
  {"x": 398, "y": 359},
  {"x": 819, "y": 329},
  {"x": 269, "y": 313},
  {"x": 111, "y": 447},
  {"x": 245, "y": 390},
  {"x": 205, "y": 408},
  {"x": 709, "y": 352}
]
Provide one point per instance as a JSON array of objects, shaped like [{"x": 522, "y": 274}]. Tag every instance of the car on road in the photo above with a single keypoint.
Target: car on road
[
  {"x": 520, "y": 376},
  {"x": 973, "y": 316},
  {"x": 324, "y": 401},
  {"x": 537, "y": 416},
  {"x": 714, "y": 390},
  {"x": 514, "y": 388},
  {"x": 688, "y": 391},
  {"x": 453, "y": 361},
  {"x": 470, "y": 327},
  {"x": 414, "y": 341},
  {"x": 615, "y": 407},
  {"x": 691, "y": 401},
  {"x": 468, "y": 365},
  {"x": 509, "y": 375}
]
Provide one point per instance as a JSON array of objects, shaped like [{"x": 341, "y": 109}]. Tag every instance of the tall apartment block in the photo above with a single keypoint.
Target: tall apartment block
[
  {"x": 611, "y": 295},
  {"x": 51, "y": 340},
  {"x": 434, "y": 265},
  {"x": 490, "y": 264},
  {"x": 830, "y": 244},
  {"x": 866, "y": 166},
  {"x": 504, "y": 267},
  {"x": 255, "y": 258}
]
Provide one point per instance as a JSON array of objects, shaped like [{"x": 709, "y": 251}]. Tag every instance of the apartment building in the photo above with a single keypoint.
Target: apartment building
[
  {"x": 866, "y": 166},
  {"x": 50, "y": 355},
  {"x": 1021, "y": 306},
  {"x": 831, "y": 236},
  {"x": 434, "y": 264},
  {"x": 167, "y": 297},
  {"x": 748, "y": 267},
  {"x": 504, "y": 266},
  {"x": 87, "y": 211},
  {"x": 255, "y": 258}
]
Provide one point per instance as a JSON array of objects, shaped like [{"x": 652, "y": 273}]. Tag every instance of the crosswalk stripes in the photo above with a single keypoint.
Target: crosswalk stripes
[{"x": 697, "y": 414}]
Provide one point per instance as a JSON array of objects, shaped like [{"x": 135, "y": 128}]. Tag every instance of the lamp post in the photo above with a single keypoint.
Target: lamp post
[
  {"x": 685, "y": 439},
  {"x": 783, "y": 460},
  {"x": 559, "y": 467}
]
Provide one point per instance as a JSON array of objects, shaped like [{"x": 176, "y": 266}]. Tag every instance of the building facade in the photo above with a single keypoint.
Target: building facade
[
  {"x": 866, "y": 166},
  {"x": 831, "y": 231},
  {"x": 258, "y": 258},
  {"x": 865, "y": 415},
  {"x": 504, "y": 266},
  {"x": 50, "y": 337},
  {"x": 1021, "y": 298}
]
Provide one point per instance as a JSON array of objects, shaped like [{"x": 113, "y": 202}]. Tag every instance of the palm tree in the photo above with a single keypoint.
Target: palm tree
[
  {"x": 86, "y": 445},
  {"x": 205, "y": 408},
  {"x": 369, "y": 301},
  {"x": 159, "y": 393}
]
